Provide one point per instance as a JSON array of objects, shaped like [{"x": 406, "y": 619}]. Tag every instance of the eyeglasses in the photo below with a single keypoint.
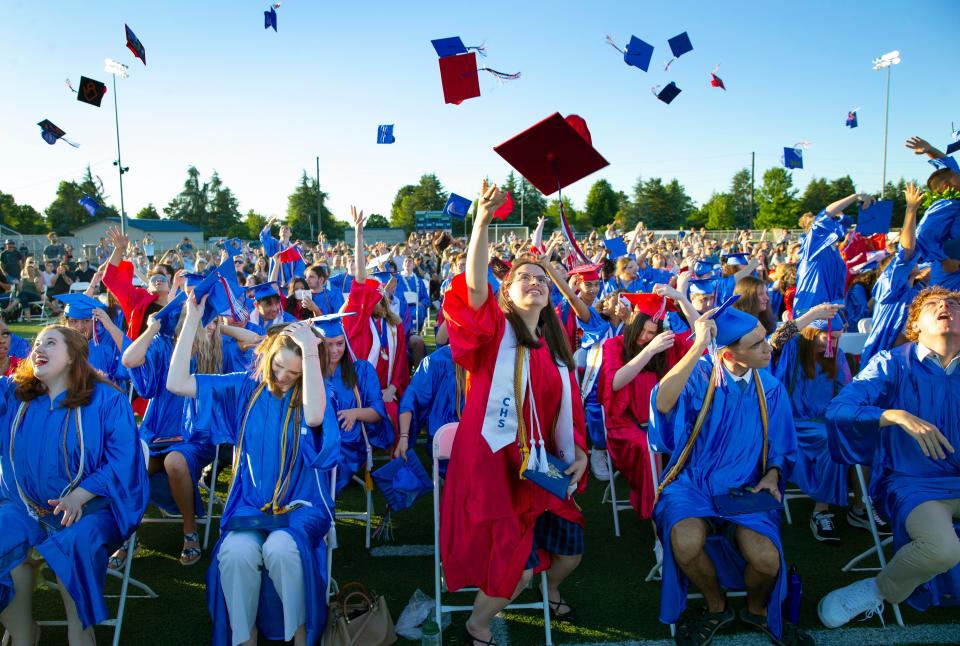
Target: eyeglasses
[
  {"x": 158, "y": 279},
  {"x": 526, "y": 279}
]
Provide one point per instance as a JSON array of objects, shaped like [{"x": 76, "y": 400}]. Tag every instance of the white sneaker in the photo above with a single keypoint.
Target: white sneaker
[
  {"x": 598, "y": 464},
  {"x": 658, "y": 551},
  {"x": 842, "y": 605}
]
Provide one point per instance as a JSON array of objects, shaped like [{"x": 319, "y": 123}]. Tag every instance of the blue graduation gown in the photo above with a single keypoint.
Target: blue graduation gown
[
  {"x": 19, "y": 347},
  {"x": 235, "y": 359},
  {"x": 106, "y": 357},
  {"x": 222, "y": 401},
  {"x": 892, "y": 295},
  {"x": 815, "y": 471},
  {"x": 341, "y": 283},
  {"x": 328, "y": 300},
  {"x": 856, "y": 305},
  {"x": 262, "y": 327},
  {"x": 353, "y": 450},
  {"x": 413, "y": 283},
  {"x": 288, "y": 270},
  {"x": 902, "y": 477},
  {"x": 113, "y": 468},
  {"x": 589, "y": 356},
  {"x": 940, "y": 224},
  {"x": 431, "y": 397},
  {"x": 776, "y": 301},
  {"x": 725, "y": 287},
  {"x": 821, "y": 274},
  {"x": 726, "y": 455},
  {"x": 170, "y": 415}
]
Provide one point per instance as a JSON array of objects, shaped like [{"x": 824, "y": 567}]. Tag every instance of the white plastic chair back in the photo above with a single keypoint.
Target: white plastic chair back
[
  {"x": 865, "y": 326},
  {"x": 852, "y": 343}
]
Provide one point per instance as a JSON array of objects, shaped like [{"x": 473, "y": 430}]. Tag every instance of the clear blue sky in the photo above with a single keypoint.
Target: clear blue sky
[{"x": 221, "y": 93}]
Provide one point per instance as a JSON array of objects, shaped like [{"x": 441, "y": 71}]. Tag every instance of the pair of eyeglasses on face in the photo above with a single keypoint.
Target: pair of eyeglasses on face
[
  {"x": 526, "y": 279},
  {"x": 158, "y": 280}
]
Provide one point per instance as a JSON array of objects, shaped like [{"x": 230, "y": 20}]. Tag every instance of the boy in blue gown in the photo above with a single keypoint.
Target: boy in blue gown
[
  {"x": 902, "y": 415},
  {"x": 745, "y": 437},
  {"x": 938, "y": 234},
  {"x": 268, "y": 309},
  {"x": 271, "y": 247}
]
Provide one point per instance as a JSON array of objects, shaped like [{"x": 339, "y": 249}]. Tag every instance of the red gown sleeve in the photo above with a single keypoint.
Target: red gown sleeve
[
  {"x": 473, "y": 333},
  {"x": 401, "y": 364},
  {"x": 119, "y": 280},
  {"x": 363, "y": 297}
]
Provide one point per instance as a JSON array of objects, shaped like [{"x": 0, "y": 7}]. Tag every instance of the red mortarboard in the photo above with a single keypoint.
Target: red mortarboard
[
  {"x": 716, "y": 81},
  {"x": 459, "y": 77},
  {"x": 553, "y": 153},
  {"x": 653, "y": 305},
  {"x": 505, "y": 209},
  {"x": 586, "y": 272}
]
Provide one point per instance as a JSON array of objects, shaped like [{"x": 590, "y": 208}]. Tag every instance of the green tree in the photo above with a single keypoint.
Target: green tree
[
  {"x": 680, "y": 205},
  {"x": 529, "y": 202},
  {"x": 777, "y": 201},
  {"x": 302, "y": 210},
  {"x": 253, "y": 222},
  {"x": 376, "y": 221},
  {"x": 190, "y": 205},
  {"x": 895, "y": 193},
  {"x": 718, "y": 212},
  {"x": 149, "y": 212},
  {"x": 740, "y": 199},
  {"x": 22, "y": 218},
  {"x": 428, "y": 195},
  {"x": 659, "y": 205},
  {"x": 602, "y": 205},
  {"x": 553, "y": 213},
  {"x": 224, "y": 209}
]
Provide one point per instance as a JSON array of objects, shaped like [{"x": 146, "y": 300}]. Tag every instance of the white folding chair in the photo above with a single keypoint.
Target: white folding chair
[
  {"x": 878, "y": 544},
  {"x": 442, "y": 447},
  {"x": 610, "y": 493},
  {"x": 77, "y": 287},
  {"x": 865, "y": 325},
  {"x": 852, "y": 343},
  {"x": 331, "y": 538}
]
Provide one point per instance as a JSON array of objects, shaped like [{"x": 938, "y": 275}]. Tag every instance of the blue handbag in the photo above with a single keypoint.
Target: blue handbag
[{"x": 554, "y": 480}]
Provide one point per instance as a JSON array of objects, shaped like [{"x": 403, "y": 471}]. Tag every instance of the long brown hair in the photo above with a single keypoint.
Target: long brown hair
[
  {"x": 82, "y": 378},
  {"x": 267, "y": 350},
  {"x": 749, "y": 302},
  {"x": 632, "y": 332},
  {"x": 808, "y": 358},
  {"x": 548, "y": 322}
]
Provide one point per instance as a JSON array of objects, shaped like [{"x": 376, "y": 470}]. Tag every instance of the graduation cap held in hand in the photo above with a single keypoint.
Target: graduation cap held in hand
[
  {"x": 876, "y": 219},
  {"x": 402, "y": 481},
  {"x": 457, "y": 206}
]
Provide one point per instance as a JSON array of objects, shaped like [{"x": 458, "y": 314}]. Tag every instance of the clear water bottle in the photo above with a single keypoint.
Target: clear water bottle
[{"x": 430, "y": 633}]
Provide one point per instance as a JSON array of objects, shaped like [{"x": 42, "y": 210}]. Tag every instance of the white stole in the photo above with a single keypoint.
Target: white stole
[
  {"x": 500, "y": 421},
  {"x": 374, "y": 357}
]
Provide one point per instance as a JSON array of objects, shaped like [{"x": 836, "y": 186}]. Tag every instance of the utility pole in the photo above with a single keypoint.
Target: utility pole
[
  {"x": 753, "y": 160},
  {"x": 319, "y": 212}
]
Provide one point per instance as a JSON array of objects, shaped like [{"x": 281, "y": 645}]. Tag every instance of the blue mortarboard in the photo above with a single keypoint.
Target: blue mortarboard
[
  {"x": 270, "y": 19},
  {"x": 681, "y": 235},
  {"x": 702, "y": 286},
  {"x": 616, "y": 247},
  {"x": 951, "y": 248},
  {"x": 703, "y": 267},
  {"x": 835, "y": 324},
  {"x": 669, "y": 92},
  {"x": 876, "y": 219},
  {"x": 852, "y": 119},
  {"x": 169, "y": 314},
  {"x": 449, "y": 46},
  {"x": 383, "y": 276},
  {"x": 90, "y": 204},
  {"x": 135, "y": 46},
  {"x": 638, "y": 53},
  {"x": 233, "y": 247},
  {"x": 945, "y": 162},
  {"x": 192, "y": 280},
  {"x": 793, "y": 157},
  {"x": 680, "y": 44},
  {"x": 457, "y": 206},
  {"x": 953, "y": 147},
  {"x": 264, "y": 290},
  {"x": 732, "y": 324},
  {"x": 385, "y": 134},
  {"x": 737, "y": 259},
  {"x": 402, "y": 481},
  {"x": 331, "y": 325},
  {"x": 846, "y": 221},
  {"x": 79, "y": 306}
]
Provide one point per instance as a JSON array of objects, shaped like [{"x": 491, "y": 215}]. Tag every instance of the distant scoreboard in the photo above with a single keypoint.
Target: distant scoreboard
[{"x": 431, "y": 221}]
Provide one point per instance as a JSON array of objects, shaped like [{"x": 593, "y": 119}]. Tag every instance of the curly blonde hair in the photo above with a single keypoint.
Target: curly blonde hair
[{"x": 916, "y": 307}]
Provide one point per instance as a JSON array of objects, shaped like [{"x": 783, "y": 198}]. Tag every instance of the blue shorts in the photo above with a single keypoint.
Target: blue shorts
[{"x": 555, "y": 535}]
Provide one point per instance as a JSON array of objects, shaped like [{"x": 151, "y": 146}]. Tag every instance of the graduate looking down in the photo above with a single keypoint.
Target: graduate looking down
[
  {"x": 496, "y": 526},
  {"x": 728, "y": 425}
]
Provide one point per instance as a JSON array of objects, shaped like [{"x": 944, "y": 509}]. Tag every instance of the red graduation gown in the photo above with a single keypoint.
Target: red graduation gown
[
  {"x": 487, "y": 513},
  {"x": 626, "y": 412}
]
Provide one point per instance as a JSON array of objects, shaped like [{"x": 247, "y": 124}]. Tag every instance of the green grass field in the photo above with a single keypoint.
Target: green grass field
[{"x": 608, "y": 590}]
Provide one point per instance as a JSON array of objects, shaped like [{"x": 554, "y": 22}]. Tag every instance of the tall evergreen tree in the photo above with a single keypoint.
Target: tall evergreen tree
[
  {"x": 602, "y": 204},
  {"x": 302, "y": 210},
  {"x": 428, "y": 195},
  {"x": 776, "y": 200}
]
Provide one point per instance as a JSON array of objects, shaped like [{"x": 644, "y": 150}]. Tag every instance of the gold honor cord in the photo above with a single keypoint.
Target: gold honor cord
[
  {"x": 702, "y": 418},
  {"x": 461, "y": 377},
  {"x": 518, "y": 402}
]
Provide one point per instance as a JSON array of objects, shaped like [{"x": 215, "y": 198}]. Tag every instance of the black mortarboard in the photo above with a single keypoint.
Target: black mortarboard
[
  {"x": 91, "y": 91},
  {"x": 680, "y": 45},
  {"x": 668, "y": 93}
]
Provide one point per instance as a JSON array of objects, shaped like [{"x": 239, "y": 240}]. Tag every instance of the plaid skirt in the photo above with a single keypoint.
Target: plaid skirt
[{"x": 555, "y": 535}]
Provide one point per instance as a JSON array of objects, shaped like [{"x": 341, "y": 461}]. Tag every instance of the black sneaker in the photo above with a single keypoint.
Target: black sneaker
[
  {"x": 821, "y": 524},
  {"x": 858, "y": 518}
]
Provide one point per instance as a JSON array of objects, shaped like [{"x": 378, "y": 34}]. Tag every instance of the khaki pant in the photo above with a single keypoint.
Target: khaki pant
[{"x": 934, "y": 549}]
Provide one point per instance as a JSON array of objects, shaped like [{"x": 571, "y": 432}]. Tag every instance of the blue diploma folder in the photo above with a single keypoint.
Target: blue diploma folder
[
  {"x": 743, "y": 501},
  {"x": 554, "y": 480}
]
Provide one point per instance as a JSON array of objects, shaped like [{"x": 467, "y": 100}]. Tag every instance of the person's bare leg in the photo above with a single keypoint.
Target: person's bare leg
[
  {"x": 560, "y": 568},
  {"x": 17, "y": 617},
  {"x": 181, "y": 486},
  {"x": 763, "y": 565},
  {"x": 687, "y": 539},
  {"x": 485, "y": 608},
  {"x": 76, "y": 635},
  {"x": 300, "y": 637}
]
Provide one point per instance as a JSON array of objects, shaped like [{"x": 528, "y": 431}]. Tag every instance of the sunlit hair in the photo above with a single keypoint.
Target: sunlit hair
[
  {"x": 786, "y": 274},
  {"x": 632, "y": 332},
  {"x": 749, "y": 302},
  {"x": 622, "y": 263},
  {"x": 273, "y": 343},
  {"x": 208, "y": 352},
  {"x": 82, "y": 378},
  {"x": 806, "y": 220},
  {"x": 916, "y": 307},
  {"x": 940, "y": 180},
  {"x": 548, "y": 322},
  {"x": 808, "y": 356}
]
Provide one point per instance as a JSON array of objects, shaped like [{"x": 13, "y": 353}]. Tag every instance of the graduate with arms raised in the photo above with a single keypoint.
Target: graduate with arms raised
[
  {"x": 279, "y": 509},
  {"x": 497, "y": 528}
]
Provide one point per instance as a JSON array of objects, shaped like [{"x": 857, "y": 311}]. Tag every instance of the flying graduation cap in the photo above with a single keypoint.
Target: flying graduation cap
[
  {"x": 91, "y": 91},
  {"x": 51, "y": 133},
  {"x": 270, "y": 18},
  {"x": 715, "y": 80},
  {"x": 458, "y": 69},
  {"x": 134, "y": 45},
  {"x": 90, "y": 204},
  {"x": 679, "y": 45},
  {"x": 668, "y": 93},
  {"x": 793, "y": 157},
  {"x": 552, "y": 154},
  {"x": 385, "y": 134},
  {"x": 852, "y": 119},
  {"x": 637, "y": 54},
  {"x": 457, "y": 206}
]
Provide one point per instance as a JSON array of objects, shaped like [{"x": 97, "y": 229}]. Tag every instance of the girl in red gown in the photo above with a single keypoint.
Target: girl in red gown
[{"x": 496, "y": 529}]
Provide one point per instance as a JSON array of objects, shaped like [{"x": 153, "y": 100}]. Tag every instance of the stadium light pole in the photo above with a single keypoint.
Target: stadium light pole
[
  {"x": 887, "y": 61},
  {"x": 116, "y": 68}
]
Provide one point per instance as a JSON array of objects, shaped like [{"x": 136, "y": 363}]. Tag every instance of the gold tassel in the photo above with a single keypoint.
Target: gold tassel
[{"x": 367, "y": 480}]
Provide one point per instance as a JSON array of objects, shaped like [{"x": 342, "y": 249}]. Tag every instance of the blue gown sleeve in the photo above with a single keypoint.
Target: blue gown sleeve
[
  {"x": 380, "y": 434},
  {"x": 122, "y": 473},
  {"x": 416, "y": 398},
  {"x": 894, "y": 283},
  {"x": 150, "y": 378},
  {"x": 320, "y": 445},
  {"x": 856, "y": 304},
  {"x": 221, "y": 403},
  {"x": 19, "y": 347},
  {"x": 785, "y": 364},
  {"x": 594, "y": 330},
  {"x": 853, "y": 417},
  {"x": 781, "y": 432},
  {"x": 824, "y": 233},
  {"x": 668, "y": 432},
  {"x": 8, "y": 399},
  {"x": 936, "y": 227}
]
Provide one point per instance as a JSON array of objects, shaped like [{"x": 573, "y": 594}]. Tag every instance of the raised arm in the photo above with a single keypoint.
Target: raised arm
[
  {"x": 477, "y": 254},
  {"x": 581, "y": 309},
  {"x": 689, "y": 311},
  {"x": 120, "y": 243},
  {"x": 314, "y": 391},
  {"x": 179, "y": 379},
  {"x": 922, "y": 147},
  {"x": 136, "y": 353},
  {"x": 673, "y": 383},
  {"x": 747, "y": 270},
  {"x": 240, "y": 334},
  {"x": 538, "y": 233},
  {"x": 837, "y": 207},
  {"x": 359, "y": 257},
  {"x": 908, "y": 235}
]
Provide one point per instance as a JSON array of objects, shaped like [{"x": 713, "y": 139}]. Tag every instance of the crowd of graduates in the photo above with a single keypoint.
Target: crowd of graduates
[{"x": 284, "y": 362}]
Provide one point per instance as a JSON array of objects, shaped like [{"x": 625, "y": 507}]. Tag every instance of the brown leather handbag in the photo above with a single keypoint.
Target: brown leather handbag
[{"x": 358, "y": 617}]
